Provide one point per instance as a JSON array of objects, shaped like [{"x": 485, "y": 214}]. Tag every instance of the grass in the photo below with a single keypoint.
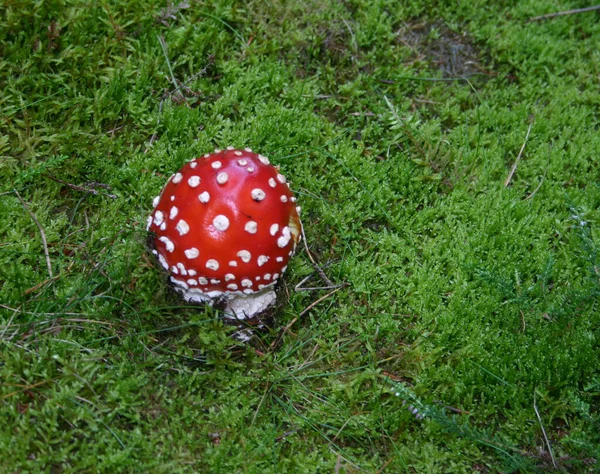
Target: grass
[{"x": 467, "y": 337}]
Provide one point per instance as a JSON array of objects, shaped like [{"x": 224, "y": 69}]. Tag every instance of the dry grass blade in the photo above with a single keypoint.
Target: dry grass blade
[
  {"x": 514, "y": 166},
  {"x": 537, "y": 413}
]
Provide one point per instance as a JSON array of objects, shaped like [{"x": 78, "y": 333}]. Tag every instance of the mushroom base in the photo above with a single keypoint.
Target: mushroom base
[
  {"x": 237, "y": 305},
  {"x": 247, "y": 306}
]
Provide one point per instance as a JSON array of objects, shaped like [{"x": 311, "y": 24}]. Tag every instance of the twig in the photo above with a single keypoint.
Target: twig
[
  {"x": 39, "y": 285},
  {"x": 84, "y": 189},
  {"x": 324, "y": 297},
  {"x": 285, "y": 435},
  {"x": 28, "y": 387},
  {"x": 544, "y": 431},
  {"x": 42, "y": 233},
  {"x": 567, "y": 12},
  {"x": 453, "y": 409},
  {"x": 315, "y": 265},
  {"x": 299, "y": 286},
  {"x": 385, "y": 465},
  {"x": 514, "y": 166},
  {"x": 282, "y": 332}
]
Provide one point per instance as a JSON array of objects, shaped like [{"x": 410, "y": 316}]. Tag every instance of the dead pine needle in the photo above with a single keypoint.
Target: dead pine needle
[
  {"x": 42, "y": 234},
  {"x": 514, "y": 166}
]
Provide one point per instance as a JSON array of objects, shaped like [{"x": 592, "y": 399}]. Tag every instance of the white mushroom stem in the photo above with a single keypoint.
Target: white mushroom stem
[
  {"x": 238, "y": 304},
  {"x": 242, "y": 306}
]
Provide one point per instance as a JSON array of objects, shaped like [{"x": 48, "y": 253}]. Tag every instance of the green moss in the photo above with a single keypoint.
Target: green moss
[{"x": 398, "y": 126}]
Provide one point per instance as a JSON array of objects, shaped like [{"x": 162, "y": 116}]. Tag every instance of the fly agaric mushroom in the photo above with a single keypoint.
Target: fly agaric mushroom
[{"x": 225, "y": 227}]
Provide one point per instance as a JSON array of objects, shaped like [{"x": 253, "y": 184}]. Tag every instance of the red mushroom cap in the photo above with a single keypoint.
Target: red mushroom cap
[{"x": 226, "y": 226}]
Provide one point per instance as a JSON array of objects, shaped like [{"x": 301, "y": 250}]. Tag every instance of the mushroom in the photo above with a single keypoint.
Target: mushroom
[{"x": 225, "y": 227}]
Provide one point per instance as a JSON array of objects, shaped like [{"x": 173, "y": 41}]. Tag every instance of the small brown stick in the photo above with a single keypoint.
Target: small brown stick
[
  {"x": 567, "y": 12},
  {"x": 299, "y": 286},
  {"x": 452, "y": 409},
  {"x": 112, "y": 132},
  {"x": 39, "y": 285},
  {"x": 83, "y": 189},
  {"x": 28, "y": 387},
  {"x": 282, "y": 332},
  {"x": 285, "y": 435},
  {"x": 514, "y": 166},
  {"x": 42, "y": 234},
  {"x": 385, "y": 465},
  {"x": 315, "y": 265},
  {"x": 316, "y": 302}
]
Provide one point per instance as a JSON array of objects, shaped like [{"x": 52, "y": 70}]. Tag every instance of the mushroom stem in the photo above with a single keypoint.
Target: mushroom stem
[{"x": 246, "y": 306}]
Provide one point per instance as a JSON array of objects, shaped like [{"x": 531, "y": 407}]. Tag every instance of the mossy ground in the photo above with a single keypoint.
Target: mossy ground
[{"x": 470, "y": 299}]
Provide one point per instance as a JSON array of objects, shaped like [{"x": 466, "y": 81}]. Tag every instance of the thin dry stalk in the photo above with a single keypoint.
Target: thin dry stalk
[
  {"x": 319, "y": 270},
  {"x": 514, "y": 167},
  {"x": 282, "y": 332},
  {"x": 23, "y": 389},
  {"x": 163, "y": 45},
  {"x": 5, "y": 328},
  {"x": 84, "y": 189},
  {"x": 42, "y": 234},
  {"x": 322, "y": 298},
  {"x": 299, "y": 286},
  {"x": 307, "y": 361},
  {"x": 41, "y": 313},
  {"x": 385, "y": 465},
  {"x": 544, "y": 432},
  {"x": 538, "y": 187},
  {"x": 566, "y": 12},
  {"x": 34, "y": 288}
]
